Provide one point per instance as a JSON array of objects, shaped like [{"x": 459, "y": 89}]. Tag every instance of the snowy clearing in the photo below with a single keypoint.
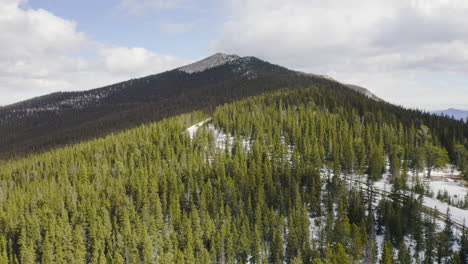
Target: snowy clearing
[
  {"x": 453, "y": 188},
  {"x": 458, "y": 215},
  {"x": 191, "y": 130}
]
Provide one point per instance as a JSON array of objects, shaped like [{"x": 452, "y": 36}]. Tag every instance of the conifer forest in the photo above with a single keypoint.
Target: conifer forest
[{"x": 288, "y": 176}]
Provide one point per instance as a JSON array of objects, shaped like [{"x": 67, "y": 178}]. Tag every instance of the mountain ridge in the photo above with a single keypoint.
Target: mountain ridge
[
  {"x": 452, "y": 113},
  {"x": 216, "y": 60},
  {"x": 208, "y": 62},
  {"x": 353, "y": 87},
  {"x": 267, "y": 176},
  {"x": 62, "y": 118}
]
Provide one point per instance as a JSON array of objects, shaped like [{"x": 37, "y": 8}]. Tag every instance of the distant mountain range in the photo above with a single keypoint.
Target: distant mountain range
[{"x": 453, "y": 113}]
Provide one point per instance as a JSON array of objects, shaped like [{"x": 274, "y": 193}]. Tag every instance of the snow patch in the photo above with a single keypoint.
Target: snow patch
[
  {"x": 213, "y": 61},
  {"x": 456, "y": 190},
  {"x": 458, "y": 215},
  {"x": 191, "y": 130}
]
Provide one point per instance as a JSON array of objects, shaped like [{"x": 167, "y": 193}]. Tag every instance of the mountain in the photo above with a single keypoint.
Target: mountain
[
  {"x": 453, "y": 113},
  {"x": 264, "y": 165},
  {"x": 68, "y": 117},
  {"x": 364, "y": 91},
  {"x": 297, "y": 175},
  {"x": 353, "y": 87}
]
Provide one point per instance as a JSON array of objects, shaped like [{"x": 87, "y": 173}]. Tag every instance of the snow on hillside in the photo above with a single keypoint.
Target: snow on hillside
[
  {"x": 382, "y": 187},
  {"x": 446, "y": 183},
  {"x": 213, "y": 61},
  {"x": 448, "y": 170},
  {"x": 221, "y": 138},
  {"x": 458, "y": 215},
  {"x": 191, "y": 130},
  {"x": 456, "y": 190}
]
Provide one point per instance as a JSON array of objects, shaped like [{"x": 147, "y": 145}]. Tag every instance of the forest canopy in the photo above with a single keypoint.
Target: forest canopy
[{"x": 292, "y": 182}]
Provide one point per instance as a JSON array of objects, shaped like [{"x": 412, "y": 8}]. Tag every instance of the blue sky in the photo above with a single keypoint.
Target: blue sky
[
  {"x": 104, "y": 21},
  {"x": 411, "y": 53}
]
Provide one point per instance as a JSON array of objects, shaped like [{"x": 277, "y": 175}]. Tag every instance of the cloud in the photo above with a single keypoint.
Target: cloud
[
  {"x": 373, "y": 39},
  {"x": 136, "y": 61},
  {"x": 140, "y": 7},
  {"x": 176, "y": 28},
  {"x": 29, "y": 32},
  {"x": 39, "y": 54}
]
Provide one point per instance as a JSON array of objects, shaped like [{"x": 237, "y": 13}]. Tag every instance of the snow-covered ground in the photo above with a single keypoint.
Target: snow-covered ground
[
  {"x": 383, "y": 186},
  {"x": 213, "y": 61},
  {"x": 221, "y": 138},
  {"x": 447, "y": 171},
  {"x": 191, "y": 130},
  {"x": 445, "y": 180},
  {"x": 458, "y": 215},
  {"x": 454, "y": 189}
]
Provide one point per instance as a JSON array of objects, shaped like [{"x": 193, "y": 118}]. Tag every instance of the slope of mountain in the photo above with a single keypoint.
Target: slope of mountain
[
  {"x": 364, "y": 91},
  {"x": 289, "y": 183},
  {"x": 453, "y": 113},
  {"x": 68, "y": 117},
  {"x": 353, "y": 87},
  {"x": 213, "y": 61}
]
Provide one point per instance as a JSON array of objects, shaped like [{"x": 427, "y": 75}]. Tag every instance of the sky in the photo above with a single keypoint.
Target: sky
[{"x": 412, "y": 53}]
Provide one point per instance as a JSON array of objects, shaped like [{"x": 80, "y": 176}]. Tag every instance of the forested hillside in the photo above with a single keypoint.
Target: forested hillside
[
  {"x": 292, "y": 183},
  {"x": 60, "y": 119}
]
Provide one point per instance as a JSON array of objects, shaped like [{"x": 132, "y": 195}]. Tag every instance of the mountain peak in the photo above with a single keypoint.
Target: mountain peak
[
  {"x": 453, "y": 112},
  {"x": 215, "y": 60}
]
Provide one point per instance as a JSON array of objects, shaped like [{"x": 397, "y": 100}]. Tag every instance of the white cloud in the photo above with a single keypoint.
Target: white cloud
[
  {"x": 370, "y": 42},
  {"x": 26, "y": 33},
  {"x": 38, "y": 55},
  {"x": 136, "y": 61}
]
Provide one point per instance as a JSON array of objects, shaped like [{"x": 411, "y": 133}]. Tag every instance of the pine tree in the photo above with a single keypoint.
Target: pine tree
[
  {"x": 356, "y": 243},
  {"x": 3, "y": 249},
  {"x": 435, "y": 158},
  {"x": 48, "y": 250},
  {"x": 387, "y": 253},
  {"x": 340, "y": 256},
  {"x": 404, "y": 255},
  {"x": 463, "y": 253},
  {"x": 79, "y": 247},
  {"x": 445, "y": 239}
]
